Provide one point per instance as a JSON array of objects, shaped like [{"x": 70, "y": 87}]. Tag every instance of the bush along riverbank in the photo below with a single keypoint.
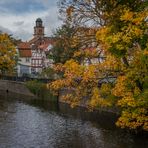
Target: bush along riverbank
[{"x": 40, "y": 90}]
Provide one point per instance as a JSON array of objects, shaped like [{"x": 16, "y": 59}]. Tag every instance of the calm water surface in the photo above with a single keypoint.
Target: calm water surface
[{"x": 29, "y": 125}]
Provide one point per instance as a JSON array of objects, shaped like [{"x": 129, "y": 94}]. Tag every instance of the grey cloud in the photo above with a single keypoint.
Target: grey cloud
[
  {"x": 23, "y": 34},
  {"x": 44, "y": 2},
  {"x": 5, "y": 30},
  {"x": 49, "y": 3},
  {"x": 16, "y": 1},
  {"x": 17, "y": 34},
  {"x": 51, "y": 20},
  {"x": 19, "y": 23}
]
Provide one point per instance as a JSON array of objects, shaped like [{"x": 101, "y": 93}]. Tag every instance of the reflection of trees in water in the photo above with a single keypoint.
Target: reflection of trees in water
[
  {"x": 3, "y": 104},
  {"x": 42, "y": 125},
  {"x": 100, "y": 119},
  {"x": 7, "y": 107},
  {"x": 77, "y": 134},
  {"x": 44, "y": 104}
]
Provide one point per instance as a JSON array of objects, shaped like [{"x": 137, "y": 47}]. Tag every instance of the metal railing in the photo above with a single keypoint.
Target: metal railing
[
  {"x": 111, "y": 79},
  {"x": 24, "y": 79}
]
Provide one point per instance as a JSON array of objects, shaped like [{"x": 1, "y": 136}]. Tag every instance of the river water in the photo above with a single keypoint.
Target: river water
[{"x": 47, "y": 125}]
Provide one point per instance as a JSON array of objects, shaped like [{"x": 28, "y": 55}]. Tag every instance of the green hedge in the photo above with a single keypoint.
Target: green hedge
[{"x": 40, "y": 90}]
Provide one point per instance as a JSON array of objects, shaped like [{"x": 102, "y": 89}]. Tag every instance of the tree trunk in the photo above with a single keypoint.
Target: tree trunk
[{"x": 125, "y": 61}]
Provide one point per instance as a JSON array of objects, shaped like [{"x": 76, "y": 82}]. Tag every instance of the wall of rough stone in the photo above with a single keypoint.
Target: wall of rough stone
[{"x": 15, "y": 87}]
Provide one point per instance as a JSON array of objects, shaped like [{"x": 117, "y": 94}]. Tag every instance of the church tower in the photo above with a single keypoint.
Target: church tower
[{"x": 39, "y": 28}]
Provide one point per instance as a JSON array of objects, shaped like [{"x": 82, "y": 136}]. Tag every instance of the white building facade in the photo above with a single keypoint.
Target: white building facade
[{"x": 33, "y": 55}]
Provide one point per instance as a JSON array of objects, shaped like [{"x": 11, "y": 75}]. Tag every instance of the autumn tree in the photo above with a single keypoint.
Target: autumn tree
[
  {"x": 7, "y": 54},
  {"x": 123, "y": 37}
]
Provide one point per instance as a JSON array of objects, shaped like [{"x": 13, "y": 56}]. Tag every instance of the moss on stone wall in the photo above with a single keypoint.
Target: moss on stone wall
[{"x": 40, "y": 90}]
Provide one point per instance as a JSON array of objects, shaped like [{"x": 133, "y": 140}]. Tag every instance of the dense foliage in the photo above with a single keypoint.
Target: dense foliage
[
  {"x": 65, "y": 44},
  {"x": 122, "y": 36},
  {"x": 7, "y": 54}
]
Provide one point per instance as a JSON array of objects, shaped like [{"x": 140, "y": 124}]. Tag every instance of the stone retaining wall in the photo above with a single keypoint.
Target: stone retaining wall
[{"x": 15, "y": 87}]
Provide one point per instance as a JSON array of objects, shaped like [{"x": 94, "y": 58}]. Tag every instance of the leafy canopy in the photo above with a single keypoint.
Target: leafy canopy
[
  {"x": 122, "y": 34},
  {"x": 7, "y": 54}
]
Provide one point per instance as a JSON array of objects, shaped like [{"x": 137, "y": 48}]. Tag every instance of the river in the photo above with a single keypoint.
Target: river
[{"x": 47, "y": 125}]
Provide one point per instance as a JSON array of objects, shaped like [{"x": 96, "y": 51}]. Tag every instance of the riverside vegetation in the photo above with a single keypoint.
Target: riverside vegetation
[
  {"x": 120, "y": 32},
  {"x": 40, "y": 90}
]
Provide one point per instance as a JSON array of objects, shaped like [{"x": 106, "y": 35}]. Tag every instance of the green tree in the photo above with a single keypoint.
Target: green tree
[{"x": 65, "y": 44}]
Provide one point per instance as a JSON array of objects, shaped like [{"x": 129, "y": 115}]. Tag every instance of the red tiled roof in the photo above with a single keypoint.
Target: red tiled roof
[
  {"x": 24, "y": 45},
  {"x": 39, "y": 41},
  {"x": 49, "y": 41},
  {"x": 44, "y": 46},
  {"x": 33, "y": 40},
  {"x": 25, "y": 53}
]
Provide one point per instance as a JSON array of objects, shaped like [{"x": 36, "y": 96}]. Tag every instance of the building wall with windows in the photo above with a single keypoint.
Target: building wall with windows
[
  {"x": 33, "y": 55},
  {"x": 24, "y": 62}
]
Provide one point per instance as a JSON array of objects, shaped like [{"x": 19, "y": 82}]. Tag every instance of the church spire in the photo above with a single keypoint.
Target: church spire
[{"x": 39, "y": 28}]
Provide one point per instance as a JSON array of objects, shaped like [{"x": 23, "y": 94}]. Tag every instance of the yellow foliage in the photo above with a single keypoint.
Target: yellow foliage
[
  {"x": 77, "y": 54},
  {"x": 127, "y": 15},
  {"x": 101, "y": 37},
  {"x": 82, "y": 81},
  {"x": 120, "y": 89},
  {"x": 133, "y": 119},
  {"x": 89, "y": 73},
  {"x": 96, "y": 99},
  {"x": 73, "y": 69},
  {"x": 7, "y": 53},
  {"x": 111, "y": 63},
  {"x": 106, "y": 89},
  {"x": 132, "y": 98},
  {"x": 127, "y": 101},
  {"x": 134, "y": 17},
  {"x": 123, "y": 40},
  {"x": 86, "y": 53}
]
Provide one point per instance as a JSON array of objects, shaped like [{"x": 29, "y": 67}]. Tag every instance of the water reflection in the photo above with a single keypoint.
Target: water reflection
[{"x": 24, "y": 125}]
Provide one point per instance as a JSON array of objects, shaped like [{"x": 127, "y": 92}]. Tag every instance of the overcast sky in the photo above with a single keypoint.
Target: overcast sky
[{"x": 18, "y": 17}]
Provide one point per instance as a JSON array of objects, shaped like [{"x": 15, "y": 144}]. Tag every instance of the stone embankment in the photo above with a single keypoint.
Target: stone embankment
[
  {"x": 22, "y": 91},
  {"x": 14, "y": 87}
]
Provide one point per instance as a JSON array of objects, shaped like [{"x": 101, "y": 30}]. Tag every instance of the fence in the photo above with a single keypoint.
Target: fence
[
  {"x": 24, "y": 79},
  {"x": 110, "y": 79}
]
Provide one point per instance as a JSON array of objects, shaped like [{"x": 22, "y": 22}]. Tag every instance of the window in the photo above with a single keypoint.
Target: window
[{"x": 27, "y": 59}]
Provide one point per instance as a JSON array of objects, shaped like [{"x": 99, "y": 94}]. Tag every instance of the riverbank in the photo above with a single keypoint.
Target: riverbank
[
  {"x": 18, "y": 90},
  {"x": 15, "y": 87},
  {"x": 104, "y": 118},
  {"x": 26, "y": 91},
  {"x": 29, "y": 89},
  {"x": 34, "y": 90}
]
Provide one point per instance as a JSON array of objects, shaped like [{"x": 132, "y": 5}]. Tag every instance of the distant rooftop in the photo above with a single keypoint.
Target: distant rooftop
[
  {"x": 24, "y": 45},
  {"x": 25, "y": 53}
]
